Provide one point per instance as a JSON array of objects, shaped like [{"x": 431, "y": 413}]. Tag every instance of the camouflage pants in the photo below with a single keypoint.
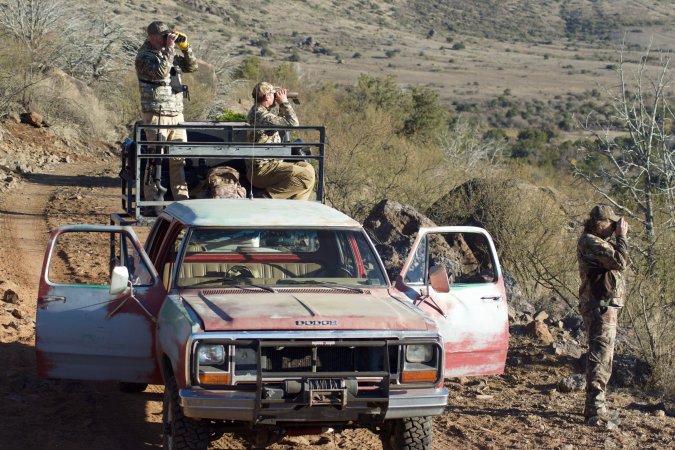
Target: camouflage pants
[
  {"x": 282, "y": 179},
  {"x": 601, "y": 330},
  {"x": 179, "y": 188}
]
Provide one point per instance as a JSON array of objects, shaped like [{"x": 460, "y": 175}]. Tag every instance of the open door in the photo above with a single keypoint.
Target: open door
[
  {"x": 453, "y": 275},
  {"x": 98, "y": 299}
]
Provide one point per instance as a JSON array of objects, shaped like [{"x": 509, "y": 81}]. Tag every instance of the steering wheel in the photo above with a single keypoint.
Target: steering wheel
[
  {"x": 239, "y": 272},
  {"x": 344, "y": 271}
]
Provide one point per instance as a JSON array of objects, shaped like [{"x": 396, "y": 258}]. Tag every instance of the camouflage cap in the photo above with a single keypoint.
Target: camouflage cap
[
  {"x": 262, "y": 88},
  {"x": 158, "y": 27},
  {"x": 604, "y": 212}
]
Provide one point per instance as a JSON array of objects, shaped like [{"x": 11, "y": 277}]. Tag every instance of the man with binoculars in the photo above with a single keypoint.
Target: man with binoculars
[
  {"x": 279, "y": 179},
  {"x": 162, "y": 100},
  {"x": 601, "y": 296}
]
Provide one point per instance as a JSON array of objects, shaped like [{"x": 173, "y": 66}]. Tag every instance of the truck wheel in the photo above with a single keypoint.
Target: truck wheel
[
  {"x": 412, "y": 433},
  {"x": 133, "y": 388},
  {"x": 180, "y": 432}
]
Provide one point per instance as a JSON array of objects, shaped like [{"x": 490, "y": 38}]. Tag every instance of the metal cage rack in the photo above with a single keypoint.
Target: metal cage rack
[{"x": 209, "y": 144}]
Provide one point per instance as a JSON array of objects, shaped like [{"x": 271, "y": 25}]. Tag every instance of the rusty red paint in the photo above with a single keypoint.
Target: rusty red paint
[{"x": 253, "y": 311}]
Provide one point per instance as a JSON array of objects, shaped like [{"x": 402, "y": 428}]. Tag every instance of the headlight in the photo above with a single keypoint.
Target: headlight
[
  {"x": 211, "y": 355},
  {"x": 419, "y": 353}
]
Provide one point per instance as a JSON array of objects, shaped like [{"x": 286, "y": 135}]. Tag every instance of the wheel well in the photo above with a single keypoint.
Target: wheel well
[{"x": 166, "y": 368}]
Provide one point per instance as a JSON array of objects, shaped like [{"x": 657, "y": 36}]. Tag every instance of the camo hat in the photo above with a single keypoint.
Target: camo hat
[
  {"x": 158, "y": 27},
  {"x": 262, "y": 88},
  {"x": 604, "y": 212}
]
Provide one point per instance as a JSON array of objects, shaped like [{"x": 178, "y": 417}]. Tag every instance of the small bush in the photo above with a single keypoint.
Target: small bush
[
  {"x": 458, "y": 46},
  {"x": 294, "y": 56},
  {"x": 231, "y": 116}
]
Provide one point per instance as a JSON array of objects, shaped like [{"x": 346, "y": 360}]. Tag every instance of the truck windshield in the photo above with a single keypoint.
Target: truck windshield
[{"x": 217, "y": 257}]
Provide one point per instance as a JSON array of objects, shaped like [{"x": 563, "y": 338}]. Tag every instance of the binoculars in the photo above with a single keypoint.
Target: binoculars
[{"x": 291, "y": 95}]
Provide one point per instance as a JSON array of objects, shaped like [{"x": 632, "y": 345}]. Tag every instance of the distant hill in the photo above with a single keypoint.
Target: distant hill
[{"x": 463, "y": 49}]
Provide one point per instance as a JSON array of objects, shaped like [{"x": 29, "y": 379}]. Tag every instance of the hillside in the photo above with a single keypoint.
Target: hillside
[{"x": 462, "y": 49}]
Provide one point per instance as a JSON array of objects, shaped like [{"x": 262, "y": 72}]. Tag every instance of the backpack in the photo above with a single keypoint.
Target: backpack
[{"x": 223, "y": 182}]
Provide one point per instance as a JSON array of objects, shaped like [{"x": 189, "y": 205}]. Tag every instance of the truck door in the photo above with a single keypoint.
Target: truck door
[
  {"x": 83, "y": 331},
  {"x": 453, "y": 275}
]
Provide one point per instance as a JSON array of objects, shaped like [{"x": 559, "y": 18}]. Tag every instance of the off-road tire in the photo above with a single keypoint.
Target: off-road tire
[
  {"x": 132, "y": 388},
  {"x": 412, "y": 433},
  {"x": 180, "y": 432}
]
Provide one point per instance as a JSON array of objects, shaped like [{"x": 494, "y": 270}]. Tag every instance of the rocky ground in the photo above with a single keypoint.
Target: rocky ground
[{"x": 536, "y": 403}]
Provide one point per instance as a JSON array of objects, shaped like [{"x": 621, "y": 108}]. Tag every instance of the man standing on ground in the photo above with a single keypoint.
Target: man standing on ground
[
  {"x": 279, "y": 179},
  {"x": 601, "y": 295},
  {"x": 160, "y": 103}
]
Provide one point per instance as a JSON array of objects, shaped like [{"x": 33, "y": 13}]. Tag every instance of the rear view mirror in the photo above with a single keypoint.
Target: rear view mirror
[
  {"x": 119, "y": 280},
  {"x": 438, "y": 278}
]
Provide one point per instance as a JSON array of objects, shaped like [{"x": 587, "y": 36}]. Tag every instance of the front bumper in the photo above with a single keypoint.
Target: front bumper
[{"x": 241, "y": 406}]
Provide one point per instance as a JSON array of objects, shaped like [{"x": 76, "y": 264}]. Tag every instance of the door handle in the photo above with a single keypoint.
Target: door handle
[
  {"x": 492, "y": 297},
  {"x": 51, "y": 299}
]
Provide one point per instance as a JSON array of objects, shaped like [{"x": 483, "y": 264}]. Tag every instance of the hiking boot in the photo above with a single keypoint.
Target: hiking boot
[{"x": 601, "y": 415}]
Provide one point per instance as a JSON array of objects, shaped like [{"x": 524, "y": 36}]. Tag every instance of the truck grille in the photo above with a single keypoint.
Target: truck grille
[{"x": 322, "y": 359}]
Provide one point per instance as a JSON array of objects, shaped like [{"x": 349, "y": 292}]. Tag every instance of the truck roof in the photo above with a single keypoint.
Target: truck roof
[{"x": 259, "y": 213}]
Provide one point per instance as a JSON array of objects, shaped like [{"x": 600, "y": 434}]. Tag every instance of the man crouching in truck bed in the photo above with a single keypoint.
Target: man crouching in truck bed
[{"x": 279, "y": 179}]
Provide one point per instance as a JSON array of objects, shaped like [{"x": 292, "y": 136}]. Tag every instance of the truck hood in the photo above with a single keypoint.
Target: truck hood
[{"x": 304, "y": 311}]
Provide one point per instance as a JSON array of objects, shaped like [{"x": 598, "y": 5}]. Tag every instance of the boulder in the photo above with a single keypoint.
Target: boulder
[
  {"x": 541, "y": 315},
  {"x": 576, "y": 382},
  {"x": 33, "y": 118},
  {"x": 14, "y": 117},
  {"x": 8, "y": 292},
  {"x": 629, "y": 371},
  {"x": 393, "y": 227},
  {"x": 573, "y": 322},
  {"x": 540, "y": 331},
  {"x": 568, "y": 348}
]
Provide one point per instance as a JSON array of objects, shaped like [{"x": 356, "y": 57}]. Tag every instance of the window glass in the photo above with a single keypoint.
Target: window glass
[
  {"x": 84, "y": 258},
  {"x": 415, "y": 273},
  {"x": 221, "y": 257},
  {"x": 465, "y": 256}
]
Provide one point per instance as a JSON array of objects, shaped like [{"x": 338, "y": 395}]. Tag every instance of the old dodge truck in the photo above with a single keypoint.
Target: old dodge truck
[{"x": 272, "y": 316}]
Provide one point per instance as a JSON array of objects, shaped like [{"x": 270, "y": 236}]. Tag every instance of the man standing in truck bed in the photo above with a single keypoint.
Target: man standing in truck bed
[
  {"x": 160, "y": 103},
  {"x": 280, "y": 179}
]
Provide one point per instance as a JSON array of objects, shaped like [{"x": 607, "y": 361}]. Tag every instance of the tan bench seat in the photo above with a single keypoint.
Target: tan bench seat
[{"x": 193, "y": 270}]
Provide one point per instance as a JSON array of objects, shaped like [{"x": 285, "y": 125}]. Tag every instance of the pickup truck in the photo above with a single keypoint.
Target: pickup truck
[{"x": 274, "y": 316}]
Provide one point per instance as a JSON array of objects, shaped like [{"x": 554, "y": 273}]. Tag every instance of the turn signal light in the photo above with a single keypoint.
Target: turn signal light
[
  {"x": 214, "y": 377},
  {"x": 419, "y": 376}
]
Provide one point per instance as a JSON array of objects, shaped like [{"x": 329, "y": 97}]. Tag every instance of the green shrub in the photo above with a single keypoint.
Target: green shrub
[{"x": 231, "y": 116}]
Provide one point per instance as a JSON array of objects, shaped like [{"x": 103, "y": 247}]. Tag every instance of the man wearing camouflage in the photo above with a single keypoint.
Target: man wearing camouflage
[
  {"x": 160, "y": 104},
  {"x": 601, "y": 295},
  {"x": 279, "y": 179}
]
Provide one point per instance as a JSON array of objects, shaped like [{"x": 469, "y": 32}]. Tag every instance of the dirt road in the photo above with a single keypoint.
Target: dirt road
[{"x": 520, "y": 409}]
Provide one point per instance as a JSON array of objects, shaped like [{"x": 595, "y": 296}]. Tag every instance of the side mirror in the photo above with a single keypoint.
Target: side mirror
[
  {"x": 438, "y": 278},
  {"x": 119, "y": 280}
]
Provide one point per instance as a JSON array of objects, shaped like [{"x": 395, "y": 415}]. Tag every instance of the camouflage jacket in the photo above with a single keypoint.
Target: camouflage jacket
[
  {"x": 153, "y": 68},
  {"x": 259, "y": 116},
  {"x": 596, "y": 256}
]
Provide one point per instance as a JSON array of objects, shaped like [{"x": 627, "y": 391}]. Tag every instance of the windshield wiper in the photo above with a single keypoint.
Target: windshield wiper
[
  {"x": 227, "y": 281},
  {"x": 327, "y": 284}
]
